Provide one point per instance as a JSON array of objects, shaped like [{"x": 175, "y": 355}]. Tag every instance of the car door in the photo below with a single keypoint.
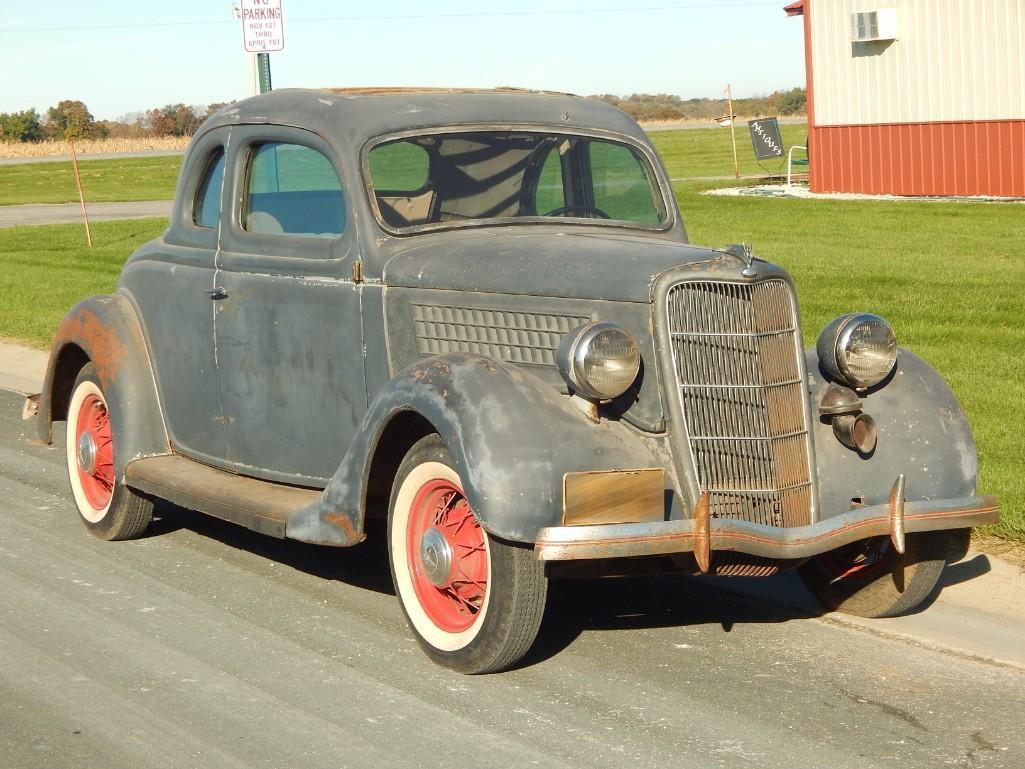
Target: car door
[
  {"x": 288, "y": 328},
  {"x": 170, "y": 285}
]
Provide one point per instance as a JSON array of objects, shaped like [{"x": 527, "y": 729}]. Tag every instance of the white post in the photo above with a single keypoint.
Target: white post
[
  {"x": 254, "y": 76},
  {"x": 733, "y": 132}
]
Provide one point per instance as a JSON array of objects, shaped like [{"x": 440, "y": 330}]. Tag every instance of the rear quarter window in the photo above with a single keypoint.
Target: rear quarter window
[{"x": 206, "y": 208}]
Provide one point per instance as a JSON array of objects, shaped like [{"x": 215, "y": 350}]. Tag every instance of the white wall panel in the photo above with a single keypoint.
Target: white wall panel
[{"x": 953, "y": 60}]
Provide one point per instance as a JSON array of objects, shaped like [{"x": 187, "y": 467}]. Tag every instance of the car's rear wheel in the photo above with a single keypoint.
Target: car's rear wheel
[
  {"x": 108, "y": 508},
  {"x": 870, "y": 579},
  {"x": 473, "y": 601}
]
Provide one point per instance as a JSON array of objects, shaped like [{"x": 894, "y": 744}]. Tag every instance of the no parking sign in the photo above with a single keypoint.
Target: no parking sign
[{"x": 263, "y": 27}]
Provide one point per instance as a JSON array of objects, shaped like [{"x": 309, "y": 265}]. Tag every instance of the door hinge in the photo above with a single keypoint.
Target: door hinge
[{"x": 357, "y": 271}]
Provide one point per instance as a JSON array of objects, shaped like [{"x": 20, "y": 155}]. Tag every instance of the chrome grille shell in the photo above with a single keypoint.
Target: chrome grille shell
[{"x": 738, "y": 385}]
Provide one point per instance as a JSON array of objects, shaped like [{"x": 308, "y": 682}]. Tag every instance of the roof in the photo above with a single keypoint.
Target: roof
[{"x": 362, "y": 113}]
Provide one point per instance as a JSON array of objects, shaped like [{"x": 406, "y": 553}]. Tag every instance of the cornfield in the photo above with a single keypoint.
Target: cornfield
[{"x": 90, "y": 146}]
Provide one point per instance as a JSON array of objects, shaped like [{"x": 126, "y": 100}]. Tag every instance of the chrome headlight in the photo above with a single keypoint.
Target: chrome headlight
[
  {"x": 858, "y": 349},
  {"x": 599, "y": 360}
]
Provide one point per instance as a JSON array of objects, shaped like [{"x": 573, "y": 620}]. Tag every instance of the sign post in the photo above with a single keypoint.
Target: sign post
[
  {"x": 263, "y": 72},
  {"x": 263, "y": 31},
  {"x": 81, "y": 195},
  {"x": 733, "y": 132}
]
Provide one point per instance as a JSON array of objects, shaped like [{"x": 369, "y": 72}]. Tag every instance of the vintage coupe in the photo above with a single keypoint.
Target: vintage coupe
[{"x": 477, "y": 314}]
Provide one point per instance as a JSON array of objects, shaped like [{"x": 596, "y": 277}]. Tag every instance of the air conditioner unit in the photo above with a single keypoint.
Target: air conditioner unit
[{"x": 871, "y": 26}]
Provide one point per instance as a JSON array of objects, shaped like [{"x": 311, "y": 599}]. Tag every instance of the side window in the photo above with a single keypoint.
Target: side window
[
  {"x": 399, "y": 167},
  {"x": 400, "y": 173},
  {"x": 550, "y": 194},
  {"x": 206, "y": 207},
  {"x": 292, "y": 190},
  {"x": 621, "y": 186}
]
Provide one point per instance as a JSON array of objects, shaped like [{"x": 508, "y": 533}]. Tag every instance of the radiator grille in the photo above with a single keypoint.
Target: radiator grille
[{"x": 738, "y": 376}]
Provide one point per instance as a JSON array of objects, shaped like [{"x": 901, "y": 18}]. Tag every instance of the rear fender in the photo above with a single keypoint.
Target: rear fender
[
  {"x": 105, "y": 331},
  {"x": 512, "y": 438}
]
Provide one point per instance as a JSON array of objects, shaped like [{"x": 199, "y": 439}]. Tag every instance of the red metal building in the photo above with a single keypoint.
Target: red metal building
[{"x": 915, "y": 97}]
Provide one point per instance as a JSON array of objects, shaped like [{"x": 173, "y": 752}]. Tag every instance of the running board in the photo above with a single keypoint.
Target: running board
[{"x": 258, "y": 505}]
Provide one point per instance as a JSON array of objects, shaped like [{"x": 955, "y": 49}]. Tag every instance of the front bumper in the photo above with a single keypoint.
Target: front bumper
[{"x": 701, "y": 535}]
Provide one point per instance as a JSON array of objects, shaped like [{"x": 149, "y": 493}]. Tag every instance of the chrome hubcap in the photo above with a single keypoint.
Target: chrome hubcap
[
  {"x": 86, "y": 453},
  {"x": 436, "y": 557}
]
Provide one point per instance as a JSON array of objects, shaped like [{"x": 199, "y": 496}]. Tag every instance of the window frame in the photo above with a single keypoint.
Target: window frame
[
  {"x": 289, "y": 253},
  {"x": 183, "y": 231},
  {"x": 657, "y": 178},
  {"x": 249, "y": 162}
]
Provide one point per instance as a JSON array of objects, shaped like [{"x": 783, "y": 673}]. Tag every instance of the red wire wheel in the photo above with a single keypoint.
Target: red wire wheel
[
  {"x": 447, "y": 556},
  {"x": 859, "y": 560},
  {"x": 870, "y": 579},
  {"x": 94, "y": 439},
  {"x": 473, "y": 601}
]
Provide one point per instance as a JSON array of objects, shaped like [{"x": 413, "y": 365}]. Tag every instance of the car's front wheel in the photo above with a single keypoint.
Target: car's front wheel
[
  {"x": 473, "y": 601},
  {"x": 870, "y": 579},
  {"x": 108, "y": 508}
]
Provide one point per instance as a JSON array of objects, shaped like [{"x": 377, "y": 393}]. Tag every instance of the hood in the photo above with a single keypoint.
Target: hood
[{"x": 553, "y": 263}]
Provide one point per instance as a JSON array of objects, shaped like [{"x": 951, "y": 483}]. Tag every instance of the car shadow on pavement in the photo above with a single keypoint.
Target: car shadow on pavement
[
  {"x": 629, "y": 603},
  {"x": 575, "y": 606},
  {"x": 364, "y": 565},
  {"x": 645, "y": 602}
]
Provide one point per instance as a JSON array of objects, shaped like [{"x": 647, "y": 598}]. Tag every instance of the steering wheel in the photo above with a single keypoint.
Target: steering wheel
[{"x": 579, "y": 207}]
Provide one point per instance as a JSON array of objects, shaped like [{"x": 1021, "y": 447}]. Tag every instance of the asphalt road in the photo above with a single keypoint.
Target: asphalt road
[
  {"x": 65, "y": 213},
  {"x": 203, "y": 645},
  {"x": 92, "y": 156}
]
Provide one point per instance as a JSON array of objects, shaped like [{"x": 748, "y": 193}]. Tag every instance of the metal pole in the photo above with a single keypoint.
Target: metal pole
[
  {"x": 81, "y": 196},
  {"x": 733, "y": 132},
  {"x": 263, "y": 72}
]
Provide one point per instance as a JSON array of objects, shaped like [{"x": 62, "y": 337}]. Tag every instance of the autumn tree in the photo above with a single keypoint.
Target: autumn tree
[
  {"x": 71, "y": 119},
  {"x": 172, "y": 120}
]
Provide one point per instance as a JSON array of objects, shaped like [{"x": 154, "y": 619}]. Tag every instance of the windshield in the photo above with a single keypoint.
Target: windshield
[{"x": 449, "y": 178}]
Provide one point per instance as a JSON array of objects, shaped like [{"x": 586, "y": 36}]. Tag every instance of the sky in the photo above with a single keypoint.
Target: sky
[{"x": 123, "y": 56}]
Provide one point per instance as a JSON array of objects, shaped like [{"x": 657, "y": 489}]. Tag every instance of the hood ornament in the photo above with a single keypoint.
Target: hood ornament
[{"x": 743, "y": 251}]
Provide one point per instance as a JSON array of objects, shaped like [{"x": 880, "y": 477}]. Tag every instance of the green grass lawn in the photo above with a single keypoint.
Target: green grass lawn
[
  {"x": 691, "y": 153},
  {"x": 48, "y": 269},
  {"x": 102, "y": 181},
  {"x": 709, "y": 152},
  {"x": 696, "y": 152},
  {"x": 950, "y": 277}
]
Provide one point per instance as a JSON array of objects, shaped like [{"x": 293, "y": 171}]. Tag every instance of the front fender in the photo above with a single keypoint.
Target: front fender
[
  {"x": 512, "y": 438},
  {"x": 105, "y": 330},
  {"x": 923, "y": 433}
]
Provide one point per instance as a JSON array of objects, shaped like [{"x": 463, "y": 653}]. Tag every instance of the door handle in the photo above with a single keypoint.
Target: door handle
[{"x": 216, "y": 293}]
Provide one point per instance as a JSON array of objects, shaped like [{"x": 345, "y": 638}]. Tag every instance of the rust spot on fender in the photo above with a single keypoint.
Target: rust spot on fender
[
  {"x": 101, "y": 342},
  {"x": 343, "y": 523},
  {"x": 431, "y": 371}
]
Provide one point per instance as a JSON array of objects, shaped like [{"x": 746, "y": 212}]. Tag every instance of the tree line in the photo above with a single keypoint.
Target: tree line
[
  {"x": 645, "y": 106},
  {"x": 71, "y": 119}
]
